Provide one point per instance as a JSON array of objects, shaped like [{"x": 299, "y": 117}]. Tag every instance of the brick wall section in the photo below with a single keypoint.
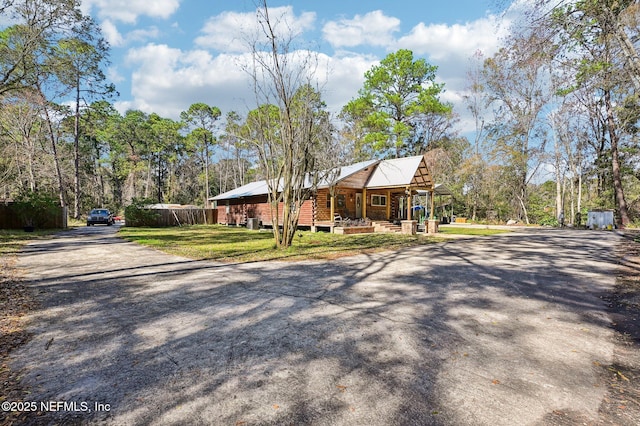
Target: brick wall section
[{"x": 354, "y": 230}]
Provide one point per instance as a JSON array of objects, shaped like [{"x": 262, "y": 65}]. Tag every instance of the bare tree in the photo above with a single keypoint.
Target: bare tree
[
  {"x": 476, "y": 101},
  {"x": 290, "y": 129},
  {"x": 601, "y": 37},
  {"x": 21, "y": 133},
  {"x": 237, "y": 162},
  {"x": 516, "y": 82}
]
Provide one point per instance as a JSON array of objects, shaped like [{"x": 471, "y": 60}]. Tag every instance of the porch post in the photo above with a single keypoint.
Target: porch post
[
  {"x": 388, "y": 205},
  {"x": 409, "y": 206},
  {"x": 364, "y": 202},
  {"x": 333, "y": 207},
  {"x": 432, "y": 199}
]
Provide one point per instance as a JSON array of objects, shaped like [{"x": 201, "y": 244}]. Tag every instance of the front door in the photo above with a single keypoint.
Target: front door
[
  {"x": 402, "y": 208},
  {"x": 358, "y": 205}
]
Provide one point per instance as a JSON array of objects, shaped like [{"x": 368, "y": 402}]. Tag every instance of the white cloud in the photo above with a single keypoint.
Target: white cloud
[
  {"x": 441, "y": 42},
  {"x": 111, "y": 33},
  {"x": 116, "y": 39},
  {"x": 346, "y": 77},
  {"x": 128, "y": 11},
  {"x": 142, "y": 35},
  {"x": 230, "y": 31},
  {"x": 114, "y": 76},
  {"x": 374, "y": 29},
  {"x": 167, "y": 80},
  {"x": 123, "y": 106}
]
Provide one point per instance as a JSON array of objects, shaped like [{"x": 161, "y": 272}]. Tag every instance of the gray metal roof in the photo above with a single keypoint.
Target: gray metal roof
[
  {"x": 261, "y": 187},
  {"x": 248, "y": 190},
  {"x": 345, "y": 172},
  {"x": 438, "y": 189},
  {"x": 396, "y": 172},
  {"x": 389, "y": 173}
]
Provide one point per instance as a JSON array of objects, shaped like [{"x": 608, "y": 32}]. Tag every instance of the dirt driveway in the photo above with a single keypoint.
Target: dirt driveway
[{"x": 488, "y": 331}]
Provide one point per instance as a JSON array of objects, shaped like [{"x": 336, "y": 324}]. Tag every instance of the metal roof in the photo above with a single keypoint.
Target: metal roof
[
  {"x": 261, "y": 187},
  {"x": 345, "y": 172},
  {"x": 438, "y": 189},
  {"x": 395, "y": 172},
  {"x": 248, "y": 190}
]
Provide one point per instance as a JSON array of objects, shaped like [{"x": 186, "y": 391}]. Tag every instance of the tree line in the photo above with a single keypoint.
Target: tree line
[{"x": 554, "y": 115}]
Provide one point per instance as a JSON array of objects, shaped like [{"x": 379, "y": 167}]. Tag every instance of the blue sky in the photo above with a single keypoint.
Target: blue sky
[{"x": 168, "y": 54}]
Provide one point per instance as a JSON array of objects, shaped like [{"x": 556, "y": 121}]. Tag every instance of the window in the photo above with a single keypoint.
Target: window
[
  {"x": 379, "y": 200},
  {"x": 328, "y": 200},
  {"x": 340, "y": 201}
]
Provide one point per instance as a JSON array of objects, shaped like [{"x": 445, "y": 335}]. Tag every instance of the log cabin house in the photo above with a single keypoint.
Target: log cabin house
[{"x": 380, "y": 190}]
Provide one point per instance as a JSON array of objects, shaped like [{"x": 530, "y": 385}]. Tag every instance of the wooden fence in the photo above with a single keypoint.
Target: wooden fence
[
  {"x": 179, "y": 217},
  {"x": 9, "y": 219}
]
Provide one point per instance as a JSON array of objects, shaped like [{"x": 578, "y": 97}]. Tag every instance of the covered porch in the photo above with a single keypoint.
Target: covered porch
[{"x": 387, "y": 199}]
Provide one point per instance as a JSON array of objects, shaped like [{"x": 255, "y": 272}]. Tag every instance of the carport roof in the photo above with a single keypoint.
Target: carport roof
[{"x": 438, "y": 189}]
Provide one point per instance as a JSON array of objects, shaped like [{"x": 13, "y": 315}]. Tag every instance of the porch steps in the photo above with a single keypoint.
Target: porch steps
[{"x": 387, "y": 227}]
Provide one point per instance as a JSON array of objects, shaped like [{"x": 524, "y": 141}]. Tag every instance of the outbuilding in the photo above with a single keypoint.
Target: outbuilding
[{"x": 600, "y": 219}]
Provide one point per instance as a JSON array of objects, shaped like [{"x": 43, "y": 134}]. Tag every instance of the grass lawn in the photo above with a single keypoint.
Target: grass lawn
[
  {"x": 470, "y": 231},
  {"x": 11, "y": 240},
  {"x": 231, "y": 244}
]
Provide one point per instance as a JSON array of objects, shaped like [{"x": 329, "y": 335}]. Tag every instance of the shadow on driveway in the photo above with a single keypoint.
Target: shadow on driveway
[{"x": 494, "y": 330}]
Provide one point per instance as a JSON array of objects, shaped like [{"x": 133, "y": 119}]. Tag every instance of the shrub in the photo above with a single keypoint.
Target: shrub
[
  {"x": 549, "y": 221},
  {"x": 136, "y": 214},
  {"x": 36, "y": 209}
]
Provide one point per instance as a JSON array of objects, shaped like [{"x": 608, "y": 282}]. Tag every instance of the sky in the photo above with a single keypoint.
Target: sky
[{"x": 168, "y": 54}]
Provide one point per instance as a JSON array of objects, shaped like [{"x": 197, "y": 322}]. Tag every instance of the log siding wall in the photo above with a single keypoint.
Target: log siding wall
[
  {"x": 317, "y": 209},
  {"x": 377, "y": 212},
  {"x": 239, "y": 210}
]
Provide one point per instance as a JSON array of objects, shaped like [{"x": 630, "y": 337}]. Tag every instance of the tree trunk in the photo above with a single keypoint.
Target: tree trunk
[
  {"x": 628, "y": 51},
  {"x": 572, "y": 191},
  {"x": 54, "y": 148},
  {"x": 206, "y": 172},
  {"x": 559, "y": 201},
  {"x": 32, "y": 174},
  {"x": 76, "y": 154},
  {"x": 159, "y": 180},
  {"x": 615, "y": 162},
  {"x": 580, "y": 192},
  {"x": 559, "y": 177},
  {"x": 522, "y": 197},
  {"x": 524, "y": 210},
  {"x": 148, "y": 183}
]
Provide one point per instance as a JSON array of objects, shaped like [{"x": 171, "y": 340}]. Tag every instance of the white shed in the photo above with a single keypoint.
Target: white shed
[{"x": 600, "y": 219}]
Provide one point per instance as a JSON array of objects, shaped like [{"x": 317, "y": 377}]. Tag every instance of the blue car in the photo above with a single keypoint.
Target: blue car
[{"x": 102, "y": 216}]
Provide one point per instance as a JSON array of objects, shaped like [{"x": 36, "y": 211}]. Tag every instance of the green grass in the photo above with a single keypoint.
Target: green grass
[
  {"x": 470, "y": 231},
  {"x": 12, "y": 240},
  {"x": 231, "y": 244},
  {"x": 75, "y": 223}
]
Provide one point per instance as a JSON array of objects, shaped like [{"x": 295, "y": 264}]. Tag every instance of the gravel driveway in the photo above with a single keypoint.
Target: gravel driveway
[{"x": 496, "y": 330}]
